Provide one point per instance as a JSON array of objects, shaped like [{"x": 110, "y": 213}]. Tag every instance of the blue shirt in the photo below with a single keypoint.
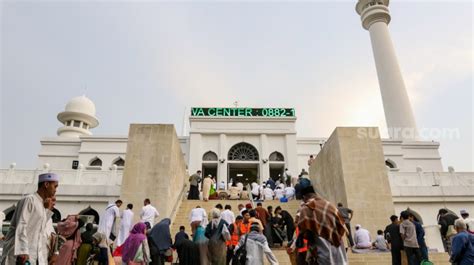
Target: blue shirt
[
  {"x": 462, "y": 249},
  {"x": 420, "y": 234}
]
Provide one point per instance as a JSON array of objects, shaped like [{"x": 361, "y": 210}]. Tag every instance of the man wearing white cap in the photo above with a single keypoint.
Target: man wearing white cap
[
  {"x": 26, "y": 240},
  {"x": 468, "y": 221},
  {"x": 362, "y": 237}
]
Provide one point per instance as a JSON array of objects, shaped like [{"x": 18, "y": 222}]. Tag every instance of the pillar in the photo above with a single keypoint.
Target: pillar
[{"x": 399, "y": 116}]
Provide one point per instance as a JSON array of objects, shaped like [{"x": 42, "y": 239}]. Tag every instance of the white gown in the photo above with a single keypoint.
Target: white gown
[
  {"x": 268, "y": 194},
  {"x": 279, "y": 193},
  {"x": 289, "y": 193},
  {"x": 27, "y": 234},
  {"x": 125, "y": 226},
  {"x": 107, "y": 220}
]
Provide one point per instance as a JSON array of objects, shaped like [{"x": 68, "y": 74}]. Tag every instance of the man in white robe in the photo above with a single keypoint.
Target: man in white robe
[
  {"x": 290, "y": 193},
  {"x": 268, "y": 193},
  {"x": 125, "y": 224},
  {"x": 148, "y": 213},
  {"x": 109, "y": 222},
  {"x": 26, "y": 239},
  {"x": 279, "y": 193}
]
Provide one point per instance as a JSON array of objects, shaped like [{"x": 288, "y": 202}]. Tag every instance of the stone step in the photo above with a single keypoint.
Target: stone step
[{"x": 181, "y": 217}]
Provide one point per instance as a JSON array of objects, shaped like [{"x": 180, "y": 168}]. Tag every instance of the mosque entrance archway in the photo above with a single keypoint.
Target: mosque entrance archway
[
  {"x": 276, "y": 171},
  {"x": 243, "y": 172},
  {"x": 209, "y": 169}
]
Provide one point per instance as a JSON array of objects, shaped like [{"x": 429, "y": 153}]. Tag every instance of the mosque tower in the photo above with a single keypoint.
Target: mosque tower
[
  {"x": 78, "y": 117},
  {"x": 399, "y": 116}
]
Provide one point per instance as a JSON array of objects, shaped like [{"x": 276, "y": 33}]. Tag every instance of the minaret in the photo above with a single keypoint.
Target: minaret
[
  {"x": 375, "y": 17},
  {"x": 78, "y": 117}
]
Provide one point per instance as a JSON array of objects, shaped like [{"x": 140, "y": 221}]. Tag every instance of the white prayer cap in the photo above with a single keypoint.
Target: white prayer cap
[
  {"x": 358, "y": 226},
  {"x": 48, "y": 177},
  {"x": 463, "y": 212}
]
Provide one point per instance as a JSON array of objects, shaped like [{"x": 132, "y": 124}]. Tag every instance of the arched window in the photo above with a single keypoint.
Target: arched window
[
  {"x": 276, "y": 156},
  {"x": 119, "y": 162},
  {"x": 209, "y": 156},
  {"x": 243, "y": 152},
  {"x": 96, "y": 162},
  {"x": 90, "y": 211},
  {"x": 390, "y": 164}
]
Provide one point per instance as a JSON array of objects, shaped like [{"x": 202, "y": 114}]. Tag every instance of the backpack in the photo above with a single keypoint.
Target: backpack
[{"x": 240, "y": 257}]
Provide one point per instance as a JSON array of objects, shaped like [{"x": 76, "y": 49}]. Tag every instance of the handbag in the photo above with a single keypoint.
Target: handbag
[
  {"x": 169, "y": 255},
  {"x": 240, "y": 257}
]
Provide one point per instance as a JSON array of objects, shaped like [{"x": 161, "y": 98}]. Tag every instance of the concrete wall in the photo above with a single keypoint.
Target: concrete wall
[
  {"x": 351, "y": 169},
  {"x": 154, "y": 169}
]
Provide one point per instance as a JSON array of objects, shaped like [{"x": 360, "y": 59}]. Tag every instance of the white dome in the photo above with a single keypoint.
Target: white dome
[
  {"x": 77, "y": 110},
  {"x": 81, "y": 104}
]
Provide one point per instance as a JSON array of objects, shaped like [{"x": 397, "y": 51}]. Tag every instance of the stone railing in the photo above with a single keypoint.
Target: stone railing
[
  {"x": 450, "y": 179},
  {"x": 84, "y": 177},
  {"x": 441, "y": 185}
]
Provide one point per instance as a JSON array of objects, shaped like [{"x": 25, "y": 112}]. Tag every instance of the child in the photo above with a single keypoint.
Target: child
[{"x": 380, "y": 243}]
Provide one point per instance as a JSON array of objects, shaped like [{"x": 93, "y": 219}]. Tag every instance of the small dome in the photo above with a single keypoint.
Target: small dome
[{"x": 81, "y": 104}]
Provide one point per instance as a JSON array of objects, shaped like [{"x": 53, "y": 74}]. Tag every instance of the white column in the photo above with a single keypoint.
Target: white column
[
  {"x": 222, "y": 167},
  {"x": 399, "y": 116},
  {"x": 291, "y": 156},
  {"x": 264, "y": 167},
  {"x": 195, "y": 153}
]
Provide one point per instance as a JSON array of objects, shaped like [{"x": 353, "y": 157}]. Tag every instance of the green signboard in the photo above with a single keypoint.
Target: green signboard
[{"x": 242, "y": 112}]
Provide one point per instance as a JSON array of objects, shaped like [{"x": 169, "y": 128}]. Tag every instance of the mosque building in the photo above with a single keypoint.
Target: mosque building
[{"x": 249, "y": 145}]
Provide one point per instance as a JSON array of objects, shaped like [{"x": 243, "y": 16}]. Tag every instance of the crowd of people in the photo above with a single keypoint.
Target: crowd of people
[
  {"x": 315, "y": 235},
  {"x": 283, "y": 187}
]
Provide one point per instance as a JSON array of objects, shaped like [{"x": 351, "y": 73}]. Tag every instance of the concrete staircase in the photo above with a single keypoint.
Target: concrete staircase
[
  {"x": 181, "y": 218},
  {"x": 186, "y": 206},
  {"x": 386, "y": 259},
  {"x": 182, "y": 214}
]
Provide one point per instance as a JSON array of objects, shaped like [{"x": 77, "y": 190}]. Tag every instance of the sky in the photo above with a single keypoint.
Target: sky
[{"x": 151, "y": 61}]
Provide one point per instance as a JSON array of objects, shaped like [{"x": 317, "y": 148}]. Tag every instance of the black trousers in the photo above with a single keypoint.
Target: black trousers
[
  {"x": 396, "y": 256},
  {"x": 193, "y": 193},
  {"x": 301, "y": 258},
  {"x": 230, "y": 254},
  {"x": 413, "y": 255}
]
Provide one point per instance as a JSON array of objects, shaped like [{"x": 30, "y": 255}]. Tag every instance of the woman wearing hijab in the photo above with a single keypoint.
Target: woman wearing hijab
[
  {"x": 188, "y": 252},
  {"x": 69, "y": 228},
  {"x": 135, "y": 248},
  {"x": 102, "y": 255},
  {"x": 218, "y": 234},
  {"x": 160, "y": 237},
  {"x": 201, "y": 241},
  {"x": 86, "y": 246}
]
